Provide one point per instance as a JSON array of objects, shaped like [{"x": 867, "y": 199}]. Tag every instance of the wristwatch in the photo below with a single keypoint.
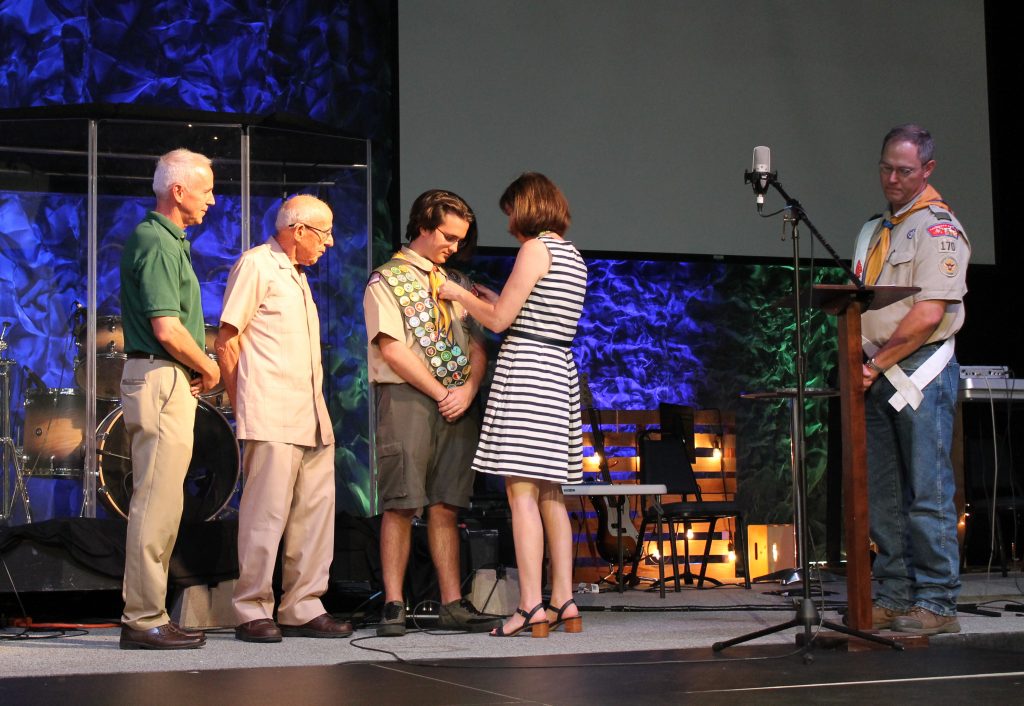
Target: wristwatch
[{"x": 874, "y": 366}]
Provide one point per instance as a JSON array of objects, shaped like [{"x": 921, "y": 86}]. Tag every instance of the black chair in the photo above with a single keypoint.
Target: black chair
[{"x": 666, "y": 461}]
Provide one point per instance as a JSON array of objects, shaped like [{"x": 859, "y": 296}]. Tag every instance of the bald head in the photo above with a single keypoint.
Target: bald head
[{"x": 304, "y": 226}]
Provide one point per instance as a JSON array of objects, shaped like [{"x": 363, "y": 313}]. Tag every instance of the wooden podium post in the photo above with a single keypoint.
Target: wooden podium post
[{"x": 847, "y": 302}]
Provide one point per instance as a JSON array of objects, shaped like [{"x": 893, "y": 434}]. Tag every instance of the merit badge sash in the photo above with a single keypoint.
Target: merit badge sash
[{"x": 444, "y": 357}]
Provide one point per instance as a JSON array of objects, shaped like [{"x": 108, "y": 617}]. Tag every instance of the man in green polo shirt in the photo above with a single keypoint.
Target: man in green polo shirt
[{"x": 166, "y": 369}]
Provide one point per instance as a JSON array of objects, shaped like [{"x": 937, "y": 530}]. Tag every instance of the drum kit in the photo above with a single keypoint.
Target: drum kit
[{"x": 54, "y": 433}]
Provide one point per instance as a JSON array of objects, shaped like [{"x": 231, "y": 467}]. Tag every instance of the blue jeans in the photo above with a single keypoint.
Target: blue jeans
[{"x": 910, "y": 492}]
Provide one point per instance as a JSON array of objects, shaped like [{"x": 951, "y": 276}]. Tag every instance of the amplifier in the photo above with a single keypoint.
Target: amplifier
[{"x": 991, "y": 372}]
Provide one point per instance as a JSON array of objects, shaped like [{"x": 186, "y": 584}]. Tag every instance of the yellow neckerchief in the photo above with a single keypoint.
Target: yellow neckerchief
[
  {"x": 877, "y": 254},
  {"x": 436, "y": 279}
]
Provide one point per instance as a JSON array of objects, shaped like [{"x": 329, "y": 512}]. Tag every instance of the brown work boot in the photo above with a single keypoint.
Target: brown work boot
[
  {"x": 882, "y": 618},
  {"x": 921, "y": 621}
]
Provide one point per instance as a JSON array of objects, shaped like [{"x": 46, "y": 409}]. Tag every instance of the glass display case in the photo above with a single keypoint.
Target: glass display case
[{"x": 74, "y": 182}]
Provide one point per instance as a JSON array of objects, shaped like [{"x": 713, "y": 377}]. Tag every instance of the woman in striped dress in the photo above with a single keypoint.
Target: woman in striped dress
[{"x": 531, "y": 432}]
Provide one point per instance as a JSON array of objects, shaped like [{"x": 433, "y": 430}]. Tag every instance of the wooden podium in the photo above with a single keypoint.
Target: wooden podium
[{"x": 847, "y": 303}]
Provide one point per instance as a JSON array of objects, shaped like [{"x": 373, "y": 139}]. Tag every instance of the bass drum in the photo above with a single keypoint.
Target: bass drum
[{"x": 212, "y": 475}]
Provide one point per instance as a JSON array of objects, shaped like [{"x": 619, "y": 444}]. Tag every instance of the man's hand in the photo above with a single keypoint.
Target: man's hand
[
  {"x": 869, "y": 376},
  {"x": 209, "y": 378},
  {"x": 455, "y": 404}
]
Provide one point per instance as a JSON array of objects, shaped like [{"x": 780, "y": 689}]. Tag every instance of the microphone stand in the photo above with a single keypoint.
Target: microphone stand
[{"x": 807, "y": 615}]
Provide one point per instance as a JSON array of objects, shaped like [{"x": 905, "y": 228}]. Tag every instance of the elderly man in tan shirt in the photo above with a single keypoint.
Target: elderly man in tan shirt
[{"x": 268, "y": 349}]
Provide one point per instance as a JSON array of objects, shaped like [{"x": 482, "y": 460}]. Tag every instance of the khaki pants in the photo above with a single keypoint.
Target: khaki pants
[
  {"x": 288, "y": 496},
  {"x": 159, "y": 416}
]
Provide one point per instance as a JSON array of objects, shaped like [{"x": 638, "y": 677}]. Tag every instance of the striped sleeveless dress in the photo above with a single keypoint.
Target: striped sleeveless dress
[{"x": 532, "y": 425}]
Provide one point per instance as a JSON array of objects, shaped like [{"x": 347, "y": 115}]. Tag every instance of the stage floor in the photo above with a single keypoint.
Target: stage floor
[{"x": 635, "y": 648}]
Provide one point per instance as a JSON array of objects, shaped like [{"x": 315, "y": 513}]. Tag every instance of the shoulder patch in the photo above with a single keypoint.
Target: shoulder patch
[
  {"x": 949, "y": 266},
  {"x": 374, "y": 279},
  {"x": 943, "y": 230},
  {"x": 940, "y": 213}
]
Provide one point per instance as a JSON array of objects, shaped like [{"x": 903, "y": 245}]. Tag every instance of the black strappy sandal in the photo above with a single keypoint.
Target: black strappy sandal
[
  {"x": 537, "y": 629},
  {"x": 573, "y": 624}
]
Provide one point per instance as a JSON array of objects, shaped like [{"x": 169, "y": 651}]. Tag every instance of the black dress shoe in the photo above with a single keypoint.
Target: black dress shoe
[
  {"x": 187, "y": 632},
  {"x": 320, "y": 626},
  {"x": 163, "y": 637},
  {"x": 260, "y": 630}
]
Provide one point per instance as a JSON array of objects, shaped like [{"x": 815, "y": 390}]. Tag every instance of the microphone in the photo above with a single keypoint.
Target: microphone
[
  {"x": 760, "y": 174},
  {"x": 33, "y": 379}
]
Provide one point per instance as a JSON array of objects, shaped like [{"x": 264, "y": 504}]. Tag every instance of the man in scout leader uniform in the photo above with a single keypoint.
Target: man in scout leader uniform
[
  {"x": 166, "y": 369},
  {"x": 910, "y": 379},
  {"x": 426, "y": 359}
]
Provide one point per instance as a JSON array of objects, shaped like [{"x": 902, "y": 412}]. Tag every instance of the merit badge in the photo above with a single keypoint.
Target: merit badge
[
  {"x": 431, "y": 351},
  {"x": 392, "y": 280},
  {"x": 456, "y": 350},
  {"x": 419, "y": 331},
  {"x": 407, "y": 287},
  {"x": 949, "y": 266},
  {"x": 398, "y": 291},
  {"x": 452, "y": 365},
  {"x": 404, "y": 300},
  {"x": 435, "y": 362},
  {"x": 414, "y": 296},
  {"x": 441, "y": 345},
  {"x": 425, "y": 341},
  {"x": 440, "y": 372},
  {"x": 395, "y": 270},
  {"x": 414, "y": 321},
  {"x": 409, "y": 311},
  {"x": 419, "y": 306},
  {"x": 446, "y": 356}
]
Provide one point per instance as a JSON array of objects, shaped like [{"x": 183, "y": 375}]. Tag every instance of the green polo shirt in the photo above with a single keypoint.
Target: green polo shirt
[{"x": 157, "y": 279}]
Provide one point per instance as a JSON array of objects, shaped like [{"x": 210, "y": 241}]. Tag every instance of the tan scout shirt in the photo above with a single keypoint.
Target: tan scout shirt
[
  {"x": 280, "y": 374},
  {"x": 928, "y": 250},
  {"x": 384, "y": 315}
]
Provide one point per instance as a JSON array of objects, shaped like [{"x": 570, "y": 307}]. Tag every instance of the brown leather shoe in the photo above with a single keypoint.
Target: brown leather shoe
[
  {"x": 320, "y": 626},
  {"x": 163, "y": 637},
  {"x": 261, "y": 630},
  {"x": 187, "y": 632}
]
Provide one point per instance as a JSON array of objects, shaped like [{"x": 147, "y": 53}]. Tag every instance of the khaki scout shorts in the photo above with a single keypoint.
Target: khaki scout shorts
[{"x": 422, "y": 459}]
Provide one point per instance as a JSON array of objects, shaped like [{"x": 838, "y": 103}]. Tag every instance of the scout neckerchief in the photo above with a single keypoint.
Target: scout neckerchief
[
  {"x": 429, "y": 321},
  {"x": 877, "y": 254}
]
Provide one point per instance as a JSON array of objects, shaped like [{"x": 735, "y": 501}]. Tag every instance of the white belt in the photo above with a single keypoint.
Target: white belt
[{"x": 908, "y": 387}]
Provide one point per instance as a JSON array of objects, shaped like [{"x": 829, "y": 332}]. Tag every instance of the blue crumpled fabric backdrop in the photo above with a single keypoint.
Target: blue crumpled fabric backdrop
[{"x": 692, "y": 332}]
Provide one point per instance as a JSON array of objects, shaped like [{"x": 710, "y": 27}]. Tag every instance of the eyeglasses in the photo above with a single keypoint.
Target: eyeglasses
[
  {"x": 324, "y": 235},
  {"x": 901, "y": 172},
  {"x": 451, "y": 239}
]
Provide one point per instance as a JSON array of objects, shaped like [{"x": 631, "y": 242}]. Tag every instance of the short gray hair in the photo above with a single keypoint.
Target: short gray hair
[
  {"x": 177, "y": 167},
  {"x": 300, "y": 208},
  {"x": 917, "y": 136}
]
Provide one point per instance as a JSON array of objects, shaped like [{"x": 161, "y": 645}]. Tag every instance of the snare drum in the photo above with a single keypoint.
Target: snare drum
[
  {"x": 110, "y": 357},
  {"x": 212, "y": 475},
  {"x": 55, "y": 432}
]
